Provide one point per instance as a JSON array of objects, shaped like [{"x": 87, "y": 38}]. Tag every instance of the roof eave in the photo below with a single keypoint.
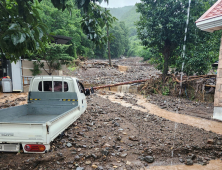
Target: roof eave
[{"x": 210, "y": 25}]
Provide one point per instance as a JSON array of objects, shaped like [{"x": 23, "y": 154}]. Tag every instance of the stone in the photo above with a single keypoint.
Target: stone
[
  {"x": 148, "y": 159},
  {"x": 210, "y": 141},
  {"x": 105, "y": 152},
  {"x": 70, "y": 166},
  {"x": 99, "y": 168},
  {"x": 116, "y": 124},
  {"x": 80, "y": 168},
  {"x": 94, "y": 156},
  {"x": 88, "y": 162},
  {"x": 133, "y": 138},
  {"x": 106, "y": 145},
  {"x": 128, "y": 163},
  {"x": 123, "y": 155},
  {"x": 119, "y": 138},
  {"x": 94, "y": 166},
  {"x": 69, "y": 145},
  {"x": 191, "y": 156},
  {"x": 189, "y": 162},
  {"x": 77, "y": 158},
  {"x": 181, "y": 159},
  {"x": 60, "y": 154}
]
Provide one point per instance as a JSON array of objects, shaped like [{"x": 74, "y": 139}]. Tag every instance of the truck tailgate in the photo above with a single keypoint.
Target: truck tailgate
[{"x": 21, "y": 132}]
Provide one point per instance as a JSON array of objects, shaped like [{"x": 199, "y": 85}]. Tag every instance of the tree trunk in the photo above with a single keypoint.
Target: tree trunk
[
  {"x": 166, "y": 54},
  {"x": 109, "y": 55}
]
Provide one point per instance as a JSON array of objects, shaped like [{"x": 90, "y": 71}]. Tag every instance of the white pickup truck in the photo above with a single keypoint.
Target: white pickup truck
[{"x": 54, "y": 103}]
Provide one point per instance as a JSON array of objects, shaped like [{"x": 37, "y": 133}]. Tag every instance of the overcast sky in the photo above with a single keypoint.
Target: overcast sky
[{"x": 119, "y": 3}]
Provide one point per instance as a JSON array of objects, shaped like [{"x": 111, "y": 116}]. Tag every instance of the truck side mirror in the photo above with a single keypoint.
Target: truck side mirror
[
  {"x": 92, "y": 90},
  {"x": 87, "y": 92}
]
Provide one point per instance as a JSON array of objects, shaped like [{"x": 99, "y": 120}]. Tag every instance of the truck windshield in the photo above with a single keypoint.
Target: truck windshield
[{"x": 57, "y": 86}]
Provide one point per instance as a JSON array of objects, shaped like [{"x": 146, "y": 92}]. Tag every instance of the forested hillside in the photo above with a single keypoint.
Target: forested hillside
[
  {"x": 130, "y": 17},
  {"x": 61, "y": 23},
  {"x": 119, "y": 12}
]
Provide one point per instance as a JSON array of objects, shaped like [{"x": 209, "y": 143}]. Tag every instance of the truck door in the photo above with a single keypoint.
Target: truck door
[{"x": 81, "y": 97}]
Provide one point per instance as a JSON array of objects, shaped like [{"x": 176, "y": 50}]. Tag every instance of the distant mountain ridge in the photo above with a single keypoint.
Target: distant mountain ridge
[
  {"x": 119, "y": 12},
  {"x": 128, "y": 15}
]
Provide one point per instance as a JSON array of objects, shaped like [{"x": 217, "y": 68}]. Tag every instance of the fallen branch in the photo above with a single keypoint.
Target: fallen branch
[{"x": 119, "y": 84}]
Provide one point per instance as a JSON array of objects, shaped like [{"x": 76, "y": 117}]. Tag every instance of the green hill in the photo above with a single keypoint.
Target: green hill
[
  {"x": 119, "y": 12},
  {"x": 130, "y": 17}
]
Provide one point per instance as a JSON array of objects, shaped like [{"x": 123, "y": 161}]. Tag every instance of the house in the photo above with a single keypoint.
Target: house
[
  {"x": 211, "y": 21},
  {"x": 20, "y": 73}
]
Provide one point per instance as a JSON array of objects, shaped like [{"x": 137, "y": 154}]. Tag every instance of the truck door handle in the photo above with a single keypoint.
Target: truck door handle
[{"x": 82, "y": 101}]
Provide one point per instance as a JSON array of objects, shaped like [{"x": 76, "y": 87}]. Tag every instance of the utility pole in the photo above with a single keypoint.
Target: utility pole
[{"x": 108, "y": 45}]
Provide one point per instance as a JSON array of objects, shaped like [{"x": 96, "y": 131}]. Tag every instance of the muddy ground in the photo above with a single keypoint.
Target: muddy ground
[
  {"x": 111, "y": 136},
  {"x": 128, "y": 69},
  {"x": 183, "y": 106}
]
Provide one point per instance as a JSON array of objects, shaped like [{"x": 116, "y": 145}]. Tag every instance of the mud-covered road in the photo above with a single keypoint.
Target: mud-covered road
[{"x": 127, "y": 131}]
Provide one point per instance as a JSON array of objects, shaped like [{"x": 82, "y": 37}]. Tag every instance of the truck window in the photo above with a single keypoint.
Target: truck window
[
  {"x": 57, "y": 86},
  {"x": 80, "y": 87}
]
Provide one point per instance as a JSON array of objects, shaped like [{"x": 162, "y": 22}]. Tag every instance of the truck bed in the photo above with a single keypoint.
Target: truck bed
[{"x": 32, "y": 114}]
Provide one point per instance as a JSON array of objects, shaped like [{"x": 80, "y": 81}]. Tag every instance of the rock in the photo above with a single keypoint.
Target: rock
[
  {"x": 99, "y": 168},
  {"x": 119, "y": 138},
  {"x": 106, "y": 145},
  {"x": 116, "y": 124},
  {"x": 94, "y": 156},
  {"x": 128, "y": 163},
  {"x": 133, "y": 138},
  {"x": 88, "y": 162},
  {"x": 181, "y": 159},
  {"x": 105, "y": 152},
  {"x": 189, "y": 162},
  {"x": 70, "y": 166},
  {"x": 123, "y": 155},
  {"x": 77, "y": 158},
  {"x": 94, "y": 166},
  {"x": 219, "y": 142},
  {"x": 80, "y": 168},
  {"x": 210, "y": 141},
  {"x": 191, "y": 156},
  {"x": 69, "y": 145},
  {"x": 60, "y": 154},
  {"x": 148, "y": 159}
]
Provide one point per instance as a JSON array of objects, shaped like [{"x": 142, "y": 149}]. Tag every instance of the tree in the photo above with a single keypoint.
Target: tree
[
  {"x": 21, "y": 29},
  {"x": 61, "y": 23},
  {"x": 94, "y": 21},
  {"x": 119, "y": 44},
  {"x": 23, "y": 32},
  {"x": 54, "y": 55},
  {"x": 161, "y": 28}
]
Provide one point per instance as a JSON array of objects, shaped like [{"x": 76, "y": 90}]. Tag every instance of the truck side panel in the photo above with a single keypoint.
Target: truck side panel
[{"x": 59, "y": 125}]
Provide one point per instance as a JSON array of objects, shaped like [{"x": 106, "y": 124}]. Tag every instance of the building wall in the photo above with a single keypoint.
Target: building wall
[{"x": 27, "y": 74}]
